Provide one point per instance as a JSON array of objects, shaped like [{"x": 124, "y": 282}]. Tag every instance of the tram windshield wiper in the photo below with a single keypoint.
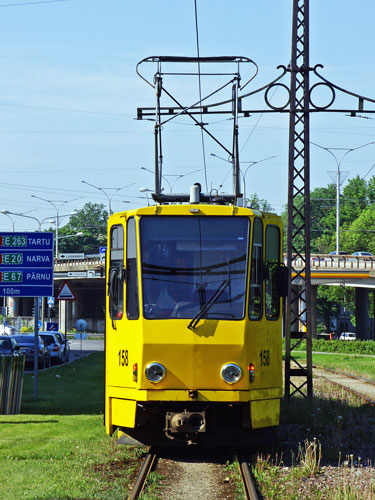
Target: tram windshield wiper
[{"x": 207, "y": 306}]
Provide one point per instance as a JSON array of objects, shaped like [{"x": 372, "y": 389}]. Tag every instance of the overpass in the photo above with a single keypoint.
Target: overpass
[{"x": 86, "y": 277}]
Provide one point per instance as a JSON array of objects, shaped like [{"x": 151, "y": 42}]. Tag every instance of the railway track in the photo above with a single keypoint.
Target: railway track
[
  {"x": 247, "y": 479},
  {"x": 140, "y": 483},
  {"x": 344, "y": 381},
  {"x": 150, "y": 462}
]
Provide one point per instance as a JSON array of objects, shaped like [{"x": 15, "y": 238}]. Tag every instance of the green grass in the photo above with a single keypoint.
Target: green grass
[
  {"x": 57, "y": 449},
  {"x": 354, "y": 365}
]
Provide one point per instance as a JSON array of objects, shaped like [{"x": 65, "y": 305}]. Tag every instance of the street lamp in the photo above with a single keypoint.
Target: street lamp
[
  {"x": 178, "y": 176},
  {"x": 5, "y": 212},
  {"x": 104, "y": 191},
  {"x": 80, "y": 233},
  {"x": 339, "y": 182},
  {"x": 146, "y": 190},
  {"x": 57, "y": 208},
  {"x": 251, "y": 163}
]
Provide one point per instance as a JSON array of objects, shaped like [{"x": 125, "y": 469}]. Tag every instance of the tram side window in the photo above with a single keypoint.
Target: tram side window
[
  {"x": 256, "y": 273},
  {"x": 115, "y": 278},
  {"x": 271, "y": 272},
  {"x": 132, "y": 300}
]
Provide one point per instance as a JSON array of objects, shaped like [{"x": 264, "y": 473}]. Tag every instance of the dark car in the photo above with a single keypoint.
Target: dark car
[
  {"x": 8, "y": 346},
  {"x": 27, "y": 343}
]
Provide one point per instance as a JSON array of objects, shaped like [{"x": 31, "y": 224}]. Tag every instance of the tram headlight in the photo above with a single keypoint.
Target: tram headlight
[
  {"x": 231, "y": 373},
  {"x": 155, "y": 372}
]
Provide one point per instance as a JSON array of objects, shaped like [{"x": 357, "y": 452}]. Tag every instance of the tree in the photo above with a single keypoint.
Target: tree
[
  {"x": 91, "y": 220},
  {"x": 258, "y": 203}
]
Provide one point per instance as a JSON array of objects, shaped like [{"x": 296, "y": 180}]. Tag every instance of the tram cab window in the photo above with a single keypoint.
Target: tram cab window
[
  {"x": 185, "y": 260},
  {"x": 132, "y": 300},
  {"x": 272, "y": 263},
  {"x": 256, "y": 273},
  {"x": 115, "y": 278}
]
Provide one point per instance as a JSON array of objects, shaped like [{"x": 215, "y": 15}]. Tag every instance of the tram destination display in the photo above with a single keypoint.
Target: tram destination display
[{"x": 26, "y": 264}]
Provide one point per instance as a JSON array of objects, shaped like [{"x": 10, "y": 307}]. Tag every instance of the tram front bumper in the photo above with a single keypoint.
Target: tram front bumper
[{"x": 178, "y": 409}]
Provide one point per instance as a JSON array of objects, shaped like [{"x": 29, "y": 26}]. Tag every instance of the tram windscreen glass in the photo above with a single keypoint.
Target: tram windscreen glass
[{"x": 185, "y": 260}]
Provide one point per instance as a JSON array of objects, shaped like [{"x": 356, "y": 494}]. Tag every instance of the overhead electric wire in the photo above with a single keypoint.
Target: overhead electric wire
[
  {"x": 200, "y": 94},
  {"x": 68, "y": 110},
  {"x": 30, "y": 3},
  {"x": 256, "y": 124}
]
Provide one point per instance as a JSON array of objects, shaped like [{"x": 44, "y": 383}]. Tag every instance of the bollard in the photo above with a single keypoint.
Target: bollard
[{"x": 11, "y": 383}]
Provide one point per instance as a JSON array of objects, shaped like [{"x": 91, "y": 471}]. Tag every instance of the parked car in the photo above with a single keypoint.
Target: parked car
[
  {"x": 65, "y": 343},
  {"x": 56, "y": 349},
  {"x": 363, "y": 254},
  {"x": 27, "y": 343},
  {"x": 8, "y": 346},
  {"x": 348, "y": 336}
]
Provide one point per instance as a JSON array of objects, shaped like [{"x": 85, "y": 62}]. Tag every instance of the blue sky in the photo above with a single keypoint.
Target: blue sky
[{"x": 69, "y": 93}]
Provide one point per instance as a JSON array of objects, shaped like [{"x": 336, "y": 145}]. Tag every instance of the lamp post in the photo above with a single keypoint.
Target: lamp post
[
  {"x": 5, "y": 212},
  {"x": 338, "y": 182},
  {"x": 57, "y": 208},
  {"x": 146, "y": 190},
  {"x": 178, "y": 176},
  {"x": 104, "y": 191},
  {"x": 80, "y": 233},
  {"x": 251, "y": 163}
]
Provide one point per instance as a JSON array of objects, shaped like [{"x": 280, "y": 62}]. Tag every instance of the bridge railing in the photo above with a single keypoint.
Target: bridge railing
[
  {"x": 317, "y": 261},
  {"x": 79, "y": 262},
  {"x": 326, "y": 261}
]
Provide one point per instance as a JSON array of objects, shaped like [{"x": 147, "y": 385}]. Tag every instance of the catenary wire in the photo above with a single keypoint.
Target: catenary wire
[
  {"x": 200, "y": 93},
  {"x": 30, "y": 3}
]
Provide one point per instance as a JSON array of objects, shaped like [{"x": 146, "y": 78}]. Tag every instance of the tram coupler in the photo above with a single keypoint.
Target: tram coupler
[{"x": 185, "y": 422}]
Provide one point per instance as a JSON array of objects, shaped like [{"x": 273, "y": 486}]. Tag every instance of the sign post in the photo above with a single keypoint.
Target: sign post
[
  {"x": 66, "y": 293},
  {"x": 26, "y": 270}
]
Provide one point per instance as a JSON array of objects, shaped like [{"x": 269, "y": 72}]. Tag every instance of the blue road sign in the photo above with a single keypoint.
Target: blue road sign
[
  {"x": 25, "y": 258},
  {"x": 40, "y": 324},
  {"x": 51, "y": 301},
  {"x": 52, "y": 327},
  {"x": 26, "y": 264},
  {"x": 102, "y": 249}
]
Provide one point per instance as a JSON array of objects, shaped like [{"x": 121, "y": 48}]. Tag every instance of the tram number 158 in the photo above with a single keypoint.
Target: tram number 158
[
  {"x": 123, "y": 357},
  {"x": 265, "y": 357}
]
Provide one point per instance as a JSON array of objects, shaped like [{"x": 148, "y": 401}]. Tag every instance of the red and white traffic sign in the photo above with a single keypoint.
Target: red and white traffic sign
[{"x": 66, "y": 293}]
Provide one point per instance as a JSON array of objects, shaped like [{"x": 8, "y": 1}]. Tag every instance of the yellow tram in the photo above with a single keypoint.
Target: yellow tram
[{"x": 193, "y": 324}]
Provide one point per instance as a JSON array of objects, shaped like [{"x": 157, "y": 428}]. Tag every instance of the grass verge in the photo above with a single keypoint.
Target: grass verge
[
  {"x": 57, "y": 449},
  {"x": 325, "y": 449},
  {"x": 353, "y": 365}
]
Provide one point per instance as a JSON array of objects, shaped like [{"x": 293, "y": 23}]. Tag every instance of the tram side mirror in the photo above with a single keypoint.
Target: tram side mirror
[
  {"x": 282, "y": 278},
  {"x": 124, "y": 273}
]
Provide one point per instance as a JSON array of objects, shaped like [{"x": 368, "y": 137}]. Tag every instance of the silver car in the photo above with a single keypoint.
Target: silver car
[
  {"x": 56, "y": 350},
  {"x": 65, "y": 343}
]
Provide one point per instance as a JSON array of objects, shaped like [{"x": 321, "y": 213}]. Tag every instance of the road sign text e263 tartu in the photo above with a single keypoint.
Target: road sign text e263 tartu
[
  {"x": 66, "y": 293},
  {"x": 26, "y": 264}
]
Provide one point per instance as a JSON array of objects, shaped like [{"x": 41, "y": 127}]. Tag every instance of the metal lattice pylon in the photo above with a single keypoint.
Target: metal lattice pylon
[{"x": 298, "y": 318}]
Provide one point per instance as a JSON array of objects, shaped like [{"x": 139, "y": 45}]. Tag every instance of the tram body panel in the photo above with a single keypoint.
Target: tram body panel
[{"x": 140, "y": 332}]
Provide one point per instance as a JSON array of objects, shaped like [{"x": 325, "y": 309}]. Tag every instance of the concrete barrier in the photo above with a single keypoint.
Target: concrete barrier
[{"x": 11, "y": 383}]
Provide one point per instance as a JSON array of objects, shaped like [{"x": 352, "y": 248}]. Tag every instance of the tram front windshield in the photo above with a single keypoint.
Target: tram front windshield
[{"x": 185, "y": 260}]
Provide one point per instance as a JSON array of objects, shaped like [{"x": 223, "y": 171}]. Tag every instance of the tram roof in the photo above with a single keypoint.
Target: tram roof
[{"x": 194, "y": 210}]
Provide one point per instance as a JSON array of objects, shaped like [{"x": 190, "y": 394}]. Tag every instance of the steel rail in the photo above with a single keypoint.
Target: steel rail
[
  {"x": 346, "y": 388},
  {"x": 337, "y": 372},
  {"x": 247, "y": 480},
  {"x": 143, "y": 475}
]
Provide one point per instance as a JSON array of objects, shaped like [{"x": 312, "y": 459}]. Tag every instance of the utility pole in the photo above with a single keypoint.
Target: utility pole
[{"x": 298, "y": 312}]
